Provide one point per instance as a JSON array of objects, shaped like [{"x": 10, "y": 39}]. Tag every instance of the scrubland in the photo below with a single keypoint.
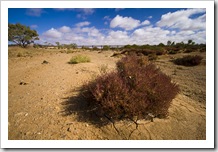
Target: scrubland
[{"x": 46, "y": 99}]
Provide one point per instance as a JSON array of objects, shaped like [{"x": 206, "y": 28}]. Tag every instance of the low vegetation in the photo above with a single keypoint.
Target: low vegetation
[
  {"x": 188, "y": 60},
  {"x": 79, "y": 59},
  {"x": 136, "y": 89}
]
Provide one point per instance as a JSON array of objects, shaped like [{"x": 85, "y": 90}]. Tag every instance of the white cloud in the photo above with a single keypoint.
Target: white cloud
[
  {"x": 118, "y": 35},
  {"x": 34, "y": 11},
  {"x": 84, "y": 12},
  {"x": 87, "y": 11},
  {"x": 185, "y": 33},
  {"x": 150, "y": 17},
  {"x": 83, "y": 24},
  {"x": 52, "y": 33},
  {"x": 107, "y": 18},
  {"x": 181, "y": 26},
  {"x": 146, "y": 22},
  {"x": 182, "y": 20},
  {"x": 93, "y": 32},
  {"x": 143, "y": 35},
  {"x": 117, "y": 38},
  {"x": 65, "y": 29},
  {"x": 127, "y": 23},
  {"x": 150, "y": 35}
]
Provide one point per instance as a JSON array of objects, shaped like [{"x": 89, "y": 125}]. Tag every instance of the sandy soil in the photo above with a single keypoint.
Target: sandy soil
[{"x": 43, "y": 102}]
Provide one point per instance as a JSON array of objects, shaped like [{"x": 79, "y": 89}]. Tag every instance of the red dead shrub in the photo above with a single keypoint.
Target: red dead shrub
[
  {"x": 188, "y": 60},
  {"x": 137, "y": 88}
]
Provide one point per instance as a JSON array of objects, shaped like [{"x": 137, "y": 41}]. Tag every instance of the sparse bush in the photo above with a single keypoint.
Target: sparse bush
[
  {"x": 152, "y": 57},
  {"x": 79, "y": 59},
  {"x": 63, "y": 51},
  {"x": 137, "y": 88},
  {"x": 19, "y": 54},
  {"x": 95, "y": 48},
  {"x": 106, "y": 47},
  {"x": 116, "y": 54},
  {"x": 188, "y": 60},
  {"x": 160, "y": 52},
  {"x": 103, "y": 68},
  {"x": 172, "y": 52},
  {"x": 70, "y": 51}
]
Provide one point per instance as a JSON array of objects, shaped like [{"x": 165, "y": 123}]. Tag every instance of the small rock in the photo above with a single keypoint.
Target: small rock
[
  {"x": 45, "y": 62},
  {"x": 69, "y": 129},
  {"x": 87, "y": 125},
  {"x": 23, "y": 83},
  {"x": 26, "y": 114}
]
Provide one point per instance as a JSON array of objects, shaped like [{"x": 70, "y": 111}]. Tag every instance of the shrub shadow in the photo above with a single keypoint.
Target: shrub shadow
[{"x": 79, "y": 106}]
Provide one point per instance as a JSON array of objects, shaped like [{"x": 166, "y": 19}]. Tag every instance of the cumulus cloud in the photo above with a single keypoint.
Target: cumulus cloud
[
  {"x": 140, "y": 36},
  {"x": 65, "y": 29},
  {"x": 149, "y": 35},
  {"x": 83, "y": 24},
  {"x": 78, "y": 34},
  {"x": 117, "y": 38},
  {"x": 91, "y": 31},
  {"x": 52, "y": 33},
  {"x": 34, "y": 11},
  {"x": 177, "y": 26},
  {"x": 183, "y": 20},
  {"x": 127, "y": 23},
  {"x": 146, "y": 22}
]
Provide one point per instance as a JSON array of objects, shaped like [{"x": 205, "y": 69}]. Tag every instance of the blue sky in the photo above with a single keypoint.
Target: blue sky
[{"x": 108, "y": 26}]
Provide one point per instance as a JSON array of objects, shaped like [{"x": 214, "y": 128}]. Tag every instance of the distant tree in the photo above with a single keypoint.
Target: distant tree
[
  {"x": 106, "y": 47},
  {"x": 73, "y": 45},
  {"x": 21, "y": 35},
  {"x": 127, "y": 46},
  {"x": 58, "y": 44},
  {"x": 173, "y": 43},
  {"x": 161, "y": 44},
  {"x": 169, "y": 43},
  {"x": 190, "y": 42}
]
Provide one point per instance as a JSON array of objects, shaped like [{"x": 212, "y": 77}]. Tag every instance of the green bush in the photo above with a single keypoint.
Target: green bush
[
  {"x": 79, "y": 59},
  {"x": 136, "y": 89}
]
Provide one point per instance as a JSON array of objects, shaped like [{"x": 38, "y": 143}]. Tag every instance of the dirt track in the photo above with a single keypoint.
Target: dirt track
[{"x": 40, "y": 109}]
